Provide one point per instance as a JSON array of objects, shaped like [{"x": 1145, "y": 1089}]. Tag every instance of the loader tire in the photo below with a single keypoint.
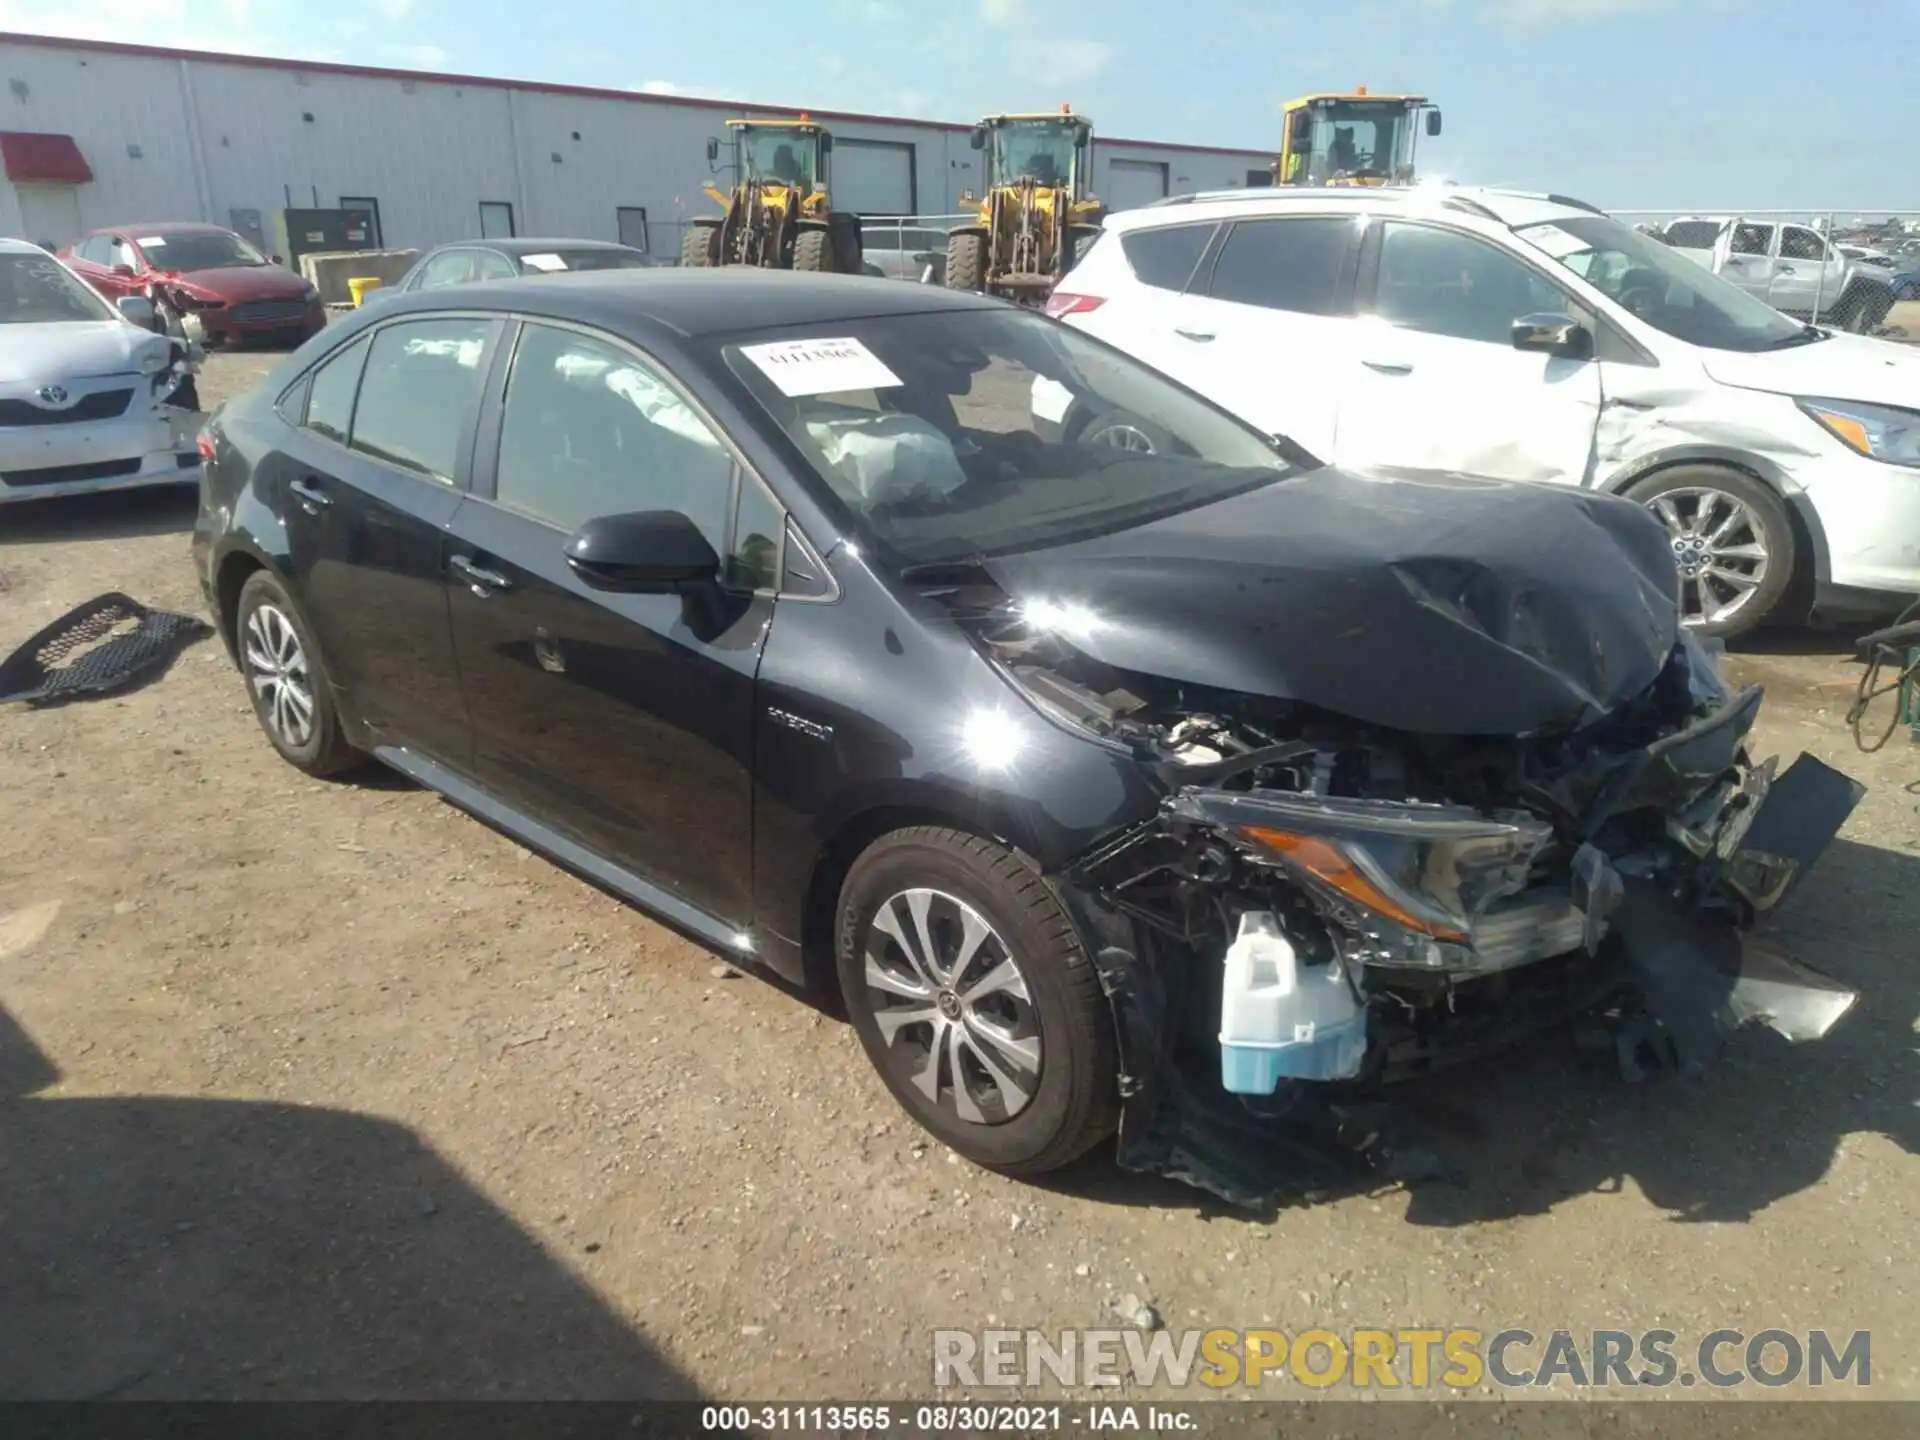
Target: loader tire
[
  {"x": 700, "y": 246},
  {"x": 813, "y": 252},
  {"x": 966, "y": 261}
]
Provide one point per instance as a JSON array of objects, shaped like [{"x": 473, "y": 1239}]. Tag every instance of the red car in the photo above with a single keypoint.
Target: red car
[{"x": 202, "y": 271}]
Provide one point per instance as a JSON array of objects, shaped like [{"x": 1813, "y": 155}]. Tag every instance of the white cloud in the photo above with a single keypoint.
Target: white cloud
[
  {"x": 1005, "y": 14},
  {"x": 1077, "y": 60},
  {"x": 659, "y": 87},
  {"x": 420, "y": 57},
  {"x": 1547, "y": 12},
  {"x": 393, "y": 10}
]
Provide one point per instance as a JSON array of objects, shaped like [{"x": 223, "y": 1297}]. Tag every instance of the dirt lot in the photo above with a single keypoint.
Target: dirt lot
[{"x": 335, "y": 1092}]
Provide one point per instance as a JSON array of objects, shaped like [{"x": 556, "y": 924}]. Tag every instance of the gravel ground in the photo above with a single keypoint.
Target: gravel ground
[{"x": 335, "y": 1092}]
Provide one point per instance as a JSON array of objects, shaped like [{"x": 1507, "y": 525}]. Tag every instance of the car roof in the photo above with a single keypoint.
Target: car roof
[
  {"x": 9, "y": 246},
  {"x": 533, "y": 245},
  {"x": 697, "y": 302},
  {"x": 163, "y": 227},
  {"x": 1506, "y": 207}
]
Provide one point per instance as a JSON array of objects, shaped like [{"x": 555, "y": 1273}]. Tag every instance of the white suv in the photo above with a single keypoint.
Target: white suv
[{"x": 1532, "y": 337}]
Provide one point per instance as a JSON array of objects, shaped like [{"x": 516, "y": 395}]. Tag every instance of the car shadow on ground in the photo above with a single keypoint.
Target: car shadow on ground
[
  {"x": 157, "y": 1247},
  {"x": 109, "y": 515},
  {"x": 1525, "y": 1131}
]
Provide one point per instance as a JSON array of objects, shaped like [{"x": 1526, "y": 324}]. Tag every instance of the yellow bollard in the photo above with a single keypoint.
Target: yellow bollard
[{"x": 359, "y": 285}]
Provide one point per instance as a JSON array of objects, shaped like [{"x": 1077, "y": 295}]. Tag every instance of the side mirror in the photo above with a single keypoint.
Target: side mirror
[
  {"x": 1433, "y": 122},
  {"x": 713, "y": 151},
  {"x": 978, "y": 139},
  {"x": 137, "y": 309},
  {"x": 123, "y": 272},
  {"x": 826, "y": 144},
  {"x": 1558, "y": 335},
  {"x": 647, "y": 552}
]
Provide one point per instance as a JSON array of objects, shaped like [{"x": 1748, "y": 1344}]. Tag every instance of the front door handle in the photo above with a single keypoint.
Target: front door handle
[
  {"x": 1788, "y": 270},
  {"x": 311, "y": 497},
  {"x": 1200, "y": 335},
  {"x": 482, "y": 581},
  {"x": 1389, "y": 367}
]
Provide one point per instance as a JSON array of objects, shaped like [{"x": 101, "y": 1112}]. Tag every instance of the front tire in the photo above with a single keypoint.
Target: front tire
[
  {"x": 1124, "y": 430},
  {"x": 966, "y": 261},
  {"x": 1733, "y": 542},
  {"x": 700, "y": 245},
  {"x": 976, "y": 1000},
  {"x": 813, "y": 252},
  {"x": 292, "y": 698}
]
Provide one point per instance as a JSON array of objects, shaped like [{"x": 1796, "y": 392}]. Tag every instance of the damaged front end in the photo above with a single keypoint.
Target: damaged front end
[{"x": 1332, "y": 907}]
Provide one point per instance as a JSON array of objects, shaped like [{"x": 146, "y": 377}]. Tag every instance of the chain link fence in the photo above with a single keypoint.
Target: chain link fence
[{"x": 1854, "y": 269}]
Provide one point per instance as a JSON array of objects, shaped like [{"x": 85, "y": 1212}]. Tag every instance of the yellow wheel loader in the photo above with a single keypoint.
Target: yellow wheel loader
[
  {"x": 1037, "y": 212},
  {"x": 777, "y": 216},
  {"x": 1356, "y": 139}
]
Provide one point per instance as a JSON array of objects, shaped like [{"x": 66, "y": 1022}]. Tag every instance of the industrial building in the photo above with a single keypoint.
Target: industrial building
[{"x": 100, "y": 134}]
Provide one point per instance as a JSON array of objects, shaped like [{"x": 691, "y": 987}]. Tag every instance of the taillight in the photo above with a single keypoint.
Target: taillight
[
  {"x": 204, "y": 444},
  {"x": 1060, "y": 305}
]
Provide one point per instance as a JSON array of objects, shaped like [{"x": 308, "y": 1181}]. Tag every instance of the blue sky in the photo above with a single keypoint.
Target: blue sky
[{"x": 1628, "y": 103}]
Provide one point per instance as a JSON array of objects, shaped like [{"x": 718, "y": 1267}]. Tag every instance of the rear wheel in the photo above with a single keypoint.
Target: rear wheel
[
  {"x": 292, "y": 698},
  {"x": 976, "y": 1000},
  {"x": 700, "y": 245},
  {"x": 1124, "y": 430},
  {"x": 966, "y": 261},
  {"x": 813, "y": 251},
  {"x": 1732, "y": 541}
]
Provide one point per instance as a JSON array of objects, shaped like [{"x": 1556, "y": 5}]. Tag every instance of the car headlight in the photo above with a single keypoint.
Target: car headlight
[
  {"x": 1412, "y": 885},
  {"x": 156, "y": 362},
  {"x": 1879, "y": 432}
]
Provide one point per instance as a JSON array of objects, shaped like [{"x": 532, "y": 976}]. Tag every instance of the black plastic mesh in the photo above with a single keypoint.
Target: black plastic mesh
[{"x": 105, "y": 644}]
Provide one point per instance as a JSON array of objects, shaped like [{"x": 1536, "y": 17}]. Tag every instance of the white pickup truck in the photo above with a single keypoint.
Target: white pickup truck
[{"x": 1791, "y": 267}]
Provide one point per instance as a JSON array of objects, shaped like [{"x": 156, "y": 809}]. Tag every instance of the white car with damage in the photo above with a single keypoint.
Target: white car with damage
[
  {"x": 90, "y": 397},
  {"x": 1531, "y": 337}
]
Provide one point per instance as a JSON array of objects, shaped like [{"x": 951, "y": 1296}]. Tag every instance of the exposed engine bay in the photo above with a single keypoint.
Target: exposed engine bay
[{"x": 1331, "y": 906}]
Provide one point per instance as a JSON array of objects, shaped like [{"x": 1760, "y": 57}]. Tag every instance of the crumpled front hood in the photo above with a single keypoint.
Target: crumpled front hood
[
  {"x": 59, "y": 351},
  {"x": 1435, "y": 604},
  {"x": 235, "y": 283},
  {"x": 1842, "y": 367}
]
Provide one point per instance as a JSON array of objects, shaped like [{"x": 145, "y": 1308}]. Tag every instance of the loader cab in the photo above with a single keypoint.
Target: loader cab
[
  {"x": 1054, "y": 151},
  {"x": 1356, "y": 139},
  {"x": 795, "y": 154}
]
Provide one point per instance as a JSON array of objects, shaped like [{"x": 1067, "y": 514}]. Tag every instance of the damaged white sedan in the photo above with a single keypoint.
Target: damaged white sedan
[
  {"x": 90, "y": 397},
  {"x": 1530, "y": 337}
]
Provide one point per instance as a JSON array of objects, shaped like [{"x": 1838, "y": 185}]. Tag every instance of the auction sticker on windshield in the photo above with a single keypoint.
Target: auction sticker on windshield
[{"x": 820, "y": 367}]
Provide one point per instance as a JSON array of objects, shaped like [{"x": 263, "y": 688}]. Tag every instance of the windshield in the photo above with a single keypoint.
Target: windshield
[
  {"x": 37, "y": 289},
  {"x": 953, "y": 435},
  {"x": 787, "y": 155},
  {"x": 554, "y": 260},
  {"x": 214, "y": 251},
  {"x": 1360, "y": 137},
  {"x": 1663, "y": 287},
  {"x": 1040, "y": 150}
]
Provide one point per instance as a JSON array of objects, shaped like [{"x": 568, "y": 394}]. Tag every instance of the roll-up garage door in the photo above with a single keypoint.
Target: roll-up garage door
[
  {"x": 1133, "y": 183},
  {"x": 872, "y": 177}
]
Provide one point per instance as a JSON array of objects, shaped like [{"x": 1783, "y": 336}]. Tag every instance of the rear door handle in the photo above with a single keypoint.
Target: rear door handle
[
  {"x": 311, "y": 497},
  {"x": 1185, "y": 334},
  {"x": 482, "y": 581},
  {"x": 1389, "y": 367}
]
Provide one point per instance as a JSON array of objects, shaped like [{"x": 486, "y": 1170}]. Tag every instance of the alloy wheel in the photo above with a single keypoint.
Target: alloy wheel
[
  {"x": 1719, "y": 547},
  {"x": 1121, "y": 436},
  {"x": 278, "y": 672},
  {"x": 952, "y": 1006}
]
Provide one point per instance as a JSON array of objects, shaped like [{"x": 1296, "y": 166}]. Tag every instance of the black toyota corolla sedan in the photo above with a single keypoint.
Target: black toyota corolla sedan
[{"x": 1118, "y": 766}]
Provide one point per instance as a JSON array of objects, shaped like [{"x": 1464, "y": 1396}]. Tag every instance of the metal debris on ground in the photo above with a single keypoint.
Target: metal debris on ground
[
  {"x": 101, "y": 646},
  {"x": 1897, "y": 646}
]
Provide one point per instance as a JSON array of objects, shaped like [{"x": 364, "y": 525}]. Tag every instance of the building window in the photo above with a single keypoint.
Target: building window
[
  {"x": 496, "y": 220},
  {"x": 630, "y": 222},
  {"x": 1259, "y": 179}
]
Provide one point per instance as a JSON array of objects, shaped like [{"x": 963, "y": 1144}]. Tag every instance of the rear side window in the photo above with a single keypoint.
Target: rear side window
[
  {"x": 330, "y": 396},
  {"x": 1284, "y": 264},
  {"x": 422, "y": 386},
  {"x": 1693, "y": 234},
  {"x": 1165, "y": 258}
]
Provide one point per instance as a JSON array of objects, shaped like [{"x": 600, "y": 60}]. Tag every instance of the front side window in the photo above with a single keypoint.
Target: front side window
[
  {"x": 1043, "y": 151},
  {"x": 96, "y": 249},
  {"x": 1445, "y": 283},
  {"x": 492, "y": 265},
  {"x": 37, "y": 289},
  {"x": 1284, "y": 264},
  {"x": 948, "y": 435},
  {"x": 1799, "y": 243},
  {"x": 330, "y": 394},
  {"x": 422, "y": 385},
  {"x": 1165, "y": 257},
  {"x": 216, "y": 250},
  {"x": 454, "y": 267},
  {"x": 1369, "y": 138},
  {"x": 1751, "y": 239},
  {"x": 1666, "y": 290},
  {"x": 589, "y": 429}
]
